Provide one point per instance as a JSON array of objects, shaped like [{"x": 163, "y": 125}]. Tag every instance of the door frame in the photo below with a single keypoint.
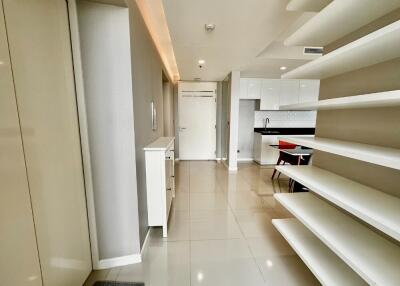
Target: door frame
[{"x": 197, "y": 87}]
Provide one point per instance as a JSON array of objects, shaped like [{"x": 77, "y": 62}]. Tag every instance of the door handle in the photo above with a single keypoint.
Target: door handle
[{"x": 182, "y": 128}]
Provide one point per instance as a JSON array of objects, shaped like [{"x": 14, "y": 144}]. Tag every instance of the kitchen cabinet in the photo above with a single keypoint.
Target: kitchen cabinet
[
  {"x": 250, "y": 88},
  {"x": 264, "y": 154},
  {"x": 308, "y": 90},
  {"x": 274, "y": 93},
  {"x": 270, "y": 90},
  {"x": 289, "y": 92}
]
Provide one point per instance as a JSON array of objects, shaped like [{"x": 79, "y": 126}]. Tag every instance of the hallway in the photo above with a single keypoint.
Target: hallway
[{"x": 220, "y": 233}]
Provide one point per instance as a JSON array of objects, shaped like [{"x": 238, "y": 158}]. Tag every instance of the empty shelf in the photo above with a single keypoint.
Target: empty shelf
[
  {"x": 383, "y": 156},
  {"x": 373, "y": 257},
  {"x": 376, "y": 47},
  {"x": 372, "y": 206},
  {"x": 379, "y": 99},
  {"x": 307, "y": 5},
  {"x": 337, "y": 19},
  {"x": 326, "y": 266}
]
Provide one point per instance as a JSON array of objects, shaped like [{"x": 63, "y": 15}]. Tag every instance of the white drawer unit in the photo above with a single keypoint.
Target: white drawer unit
[{"x": 160, "y": 181}]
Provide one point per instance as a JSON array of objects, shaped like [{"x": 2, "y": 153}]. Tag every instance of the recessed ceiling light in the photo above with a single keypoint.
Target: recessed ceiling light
[
  {"x": 283, "y": 68},
  {"x": 209, "y": 27},
  {"x": 201, "y": 62}
]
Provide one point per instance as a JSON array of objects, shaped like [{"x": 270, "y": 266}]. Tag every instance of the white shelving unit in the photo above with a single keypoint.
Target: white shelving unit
[
  {"x": 372, "y": 100},
  {"x": 383, "y": 156},
  {"x": 370, "y": 205},
  {"x": 373, "y": 257},
  {"x": 337, "y": 19},
  {"x": 307, "y": 5},
  {"x": 325, "y": 265},
  {"x": 376, "y": 47}
]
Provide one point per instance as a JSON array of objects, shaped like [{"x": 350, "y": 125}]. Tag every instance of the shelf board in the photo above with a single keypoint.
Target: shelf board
[
  {"x": 370, "y": 205},
  {"x": 323, "y": 263},
  {"x": 376, "y": 47},
  {"x": 337, "y": 19},
  {"x": 307, "y": 5},
  {"x": 383, "y": 156},
  {"x": 372, "y": 100},
  {"x": 373, "y": 257}
]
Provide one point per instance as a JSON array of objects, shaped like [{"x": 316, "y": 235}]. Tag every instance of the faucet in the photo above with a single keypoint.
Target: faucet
[{"x": 266, "y": 122}]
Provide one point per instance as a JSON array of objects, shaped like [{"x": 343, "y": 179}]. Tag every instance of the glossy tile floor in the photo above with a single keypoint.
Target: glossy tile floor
[{"x": 220, "y": 233}]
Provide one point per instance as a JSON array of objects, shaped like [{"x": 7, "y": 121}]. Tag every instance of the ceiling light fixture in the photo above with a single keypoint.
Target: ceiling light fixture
[
  {"x": 209, "y": 27},
  {"x": 283, "y": 68},
  {"x": 201, "y": 63}
]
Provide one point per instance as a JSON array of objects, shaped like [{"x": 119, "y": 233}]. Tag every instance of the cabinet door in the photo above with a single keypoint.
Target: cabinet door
[
  {"x": 308, "y": 90},
  {"x": 289, "y": 92},
  {"x": 243, "y": 88},
  {"x": 19, "y": 262},
  {"x": 270, "y": 94},
  {"x": 41, "y": 57},
  {"x": 254, "y": 88},
  {"x": 269, "y": 155}
]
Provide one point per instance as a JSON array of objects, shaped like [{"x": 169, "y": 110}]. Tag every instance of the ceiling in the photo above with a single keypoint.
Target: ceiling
[{"x": 248, "y": 37}]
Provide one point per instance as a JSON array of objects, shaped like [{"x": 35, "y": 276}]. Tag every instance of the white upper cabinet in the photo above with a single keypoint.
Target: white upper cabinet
[
  {"x": 250, "y": 88},
  {"x": 274, "y": 93},
  {"x": 243, "y": 88},
  {"x": 308, "y": 90},
  {"x": 270, "y": 90},
  {"x": 289, "y": 92}
]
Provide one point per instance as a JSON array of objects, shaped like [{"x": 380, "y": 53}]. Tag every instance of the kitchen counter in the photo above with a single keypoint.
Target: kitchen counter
[
  {"x": 285, "y": 131},
  {"x": 263, "y": 151}
]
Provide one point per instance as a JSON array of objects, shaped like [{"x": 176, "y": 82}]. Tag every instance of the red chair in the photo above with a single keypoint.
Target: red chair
[{"x": 287, "y": 158}]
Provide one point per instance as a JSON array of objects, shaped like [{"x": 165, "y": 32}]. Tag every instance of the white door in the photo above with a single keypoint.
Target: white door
[{"x": 197, "y": 120}]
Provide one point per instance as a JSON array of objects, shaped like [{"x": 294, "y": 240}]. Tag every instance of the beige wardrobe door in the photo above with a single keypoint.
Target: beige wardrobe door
[
  {"x": 40, "y": 47},
  {"x": 19, "y": 261}
]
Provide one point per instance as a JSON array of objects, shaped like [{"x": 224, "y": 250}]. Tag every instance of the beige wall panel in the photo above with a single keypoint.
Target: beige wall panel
[
  {"x": 19, "y": 261},
  {"x": 375, "y": 126},
  {"x": 381, "y": 77},
  {"x": 381, "y": 178},
  {"x": 42, "y": 63}
]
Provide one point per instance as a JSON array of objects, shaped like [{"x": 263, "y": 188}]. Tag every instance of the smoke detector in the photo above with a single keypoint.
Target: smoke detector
[{"x": 209, "y": 27}]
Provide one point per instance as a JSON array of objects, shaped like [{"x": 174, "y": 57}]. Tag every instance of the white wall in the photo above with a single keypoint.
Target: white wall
[
  {"x": 147, "y": 70},
  {"x": 234, "y": 119},
  {"x": 106, "y": 62},
  {"x": 285, "y": 118},
  {"x": 246, "y": 129},
  {"x": 168, "y": 109}
]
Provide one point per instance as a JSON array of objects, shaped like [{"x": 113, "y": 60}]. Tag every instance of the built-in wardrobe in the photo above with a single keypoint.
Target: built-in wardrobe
[{"x": 44, "y": 237}]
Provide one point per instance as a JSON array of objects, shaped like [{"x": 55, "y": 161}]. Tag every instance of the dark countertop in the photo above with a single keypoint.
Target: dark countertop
[{"x": 285, "y": 131}]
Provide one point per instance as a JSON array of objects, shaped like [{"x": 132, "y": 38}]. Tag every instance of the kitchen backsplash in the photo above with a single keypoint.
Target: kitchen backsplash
[{"x": 285, "y": 118}]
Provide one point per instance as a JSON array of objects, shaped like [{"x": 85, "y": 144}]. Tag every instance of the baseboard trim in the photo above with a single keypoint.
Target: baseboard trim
[
  {"x": 118, "y": 261},
  {"x": 245, "y": 159}
]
